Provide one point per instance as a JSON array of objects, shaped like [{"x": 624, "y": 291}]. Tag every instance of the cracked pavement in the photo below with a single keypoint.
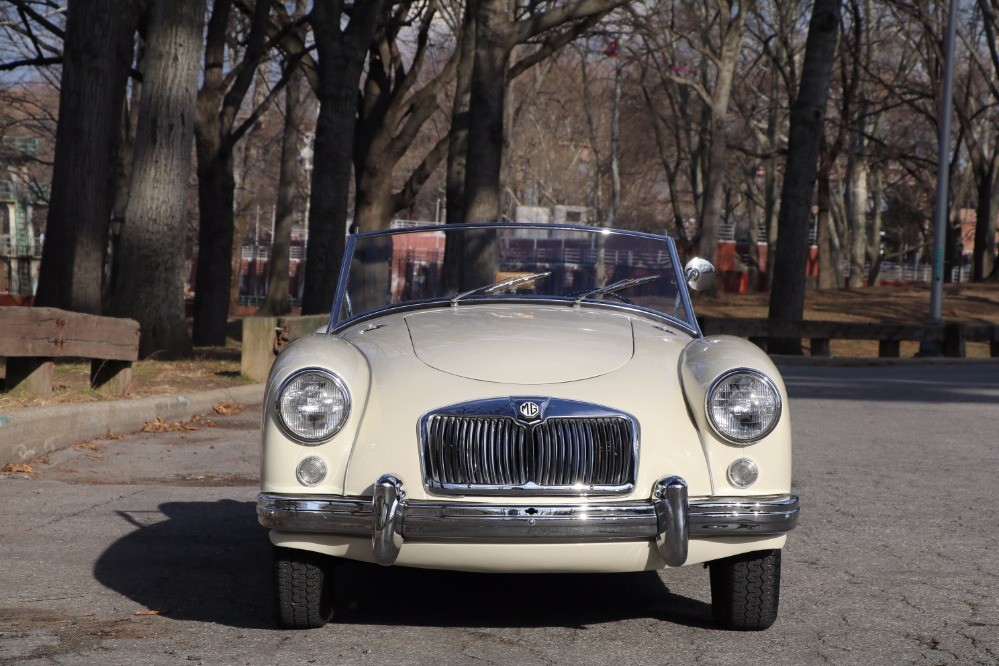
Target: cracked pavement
[{"x": 146, "y": 549}]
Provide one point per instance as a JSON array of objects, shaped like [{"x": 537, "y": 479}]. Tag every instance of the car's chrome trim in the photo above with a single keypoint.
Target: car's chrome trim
[
  {"x": 661, "y": 518},
  {"x": 669, "y": 497},
  {"x": 505, "y": 436},
  {"x": 386, "y": 519}
]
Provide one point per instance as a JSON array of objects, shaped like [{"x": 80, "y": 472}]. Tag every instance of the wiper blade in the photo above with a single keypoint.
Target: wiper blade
[
  {"x": 616, "y": 286},
  {"x": 502, "y": 284}
]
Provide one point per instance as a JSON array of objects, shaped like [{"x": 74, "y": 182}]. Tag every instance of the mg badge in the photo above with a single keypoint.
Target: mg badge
[{"x": 529, "y": 410}]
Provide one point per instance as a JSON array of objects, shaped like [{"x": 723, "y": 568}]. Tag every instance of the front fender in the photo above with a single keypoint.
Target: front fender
[
  {"x": 702, "y": 361},
  {"x": 280, "y": 453}
]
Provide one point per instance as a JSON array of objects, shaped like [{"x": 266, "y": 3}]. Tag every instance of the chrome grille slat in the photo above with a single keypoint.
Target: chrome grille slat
[{"x": 497, "y": 454}]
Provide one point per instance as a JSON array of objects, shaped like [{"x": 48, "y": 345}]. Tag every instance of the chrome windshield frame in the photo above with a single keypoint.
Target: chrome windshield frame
[{"x": 336, "y": 324}]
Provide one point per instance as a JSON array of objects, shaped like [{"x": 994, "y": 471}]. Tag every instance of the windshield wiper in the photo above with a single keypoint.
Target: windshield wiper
[
  {"x": 616, "y": 286},
  {"x": 502, "y": 284}
]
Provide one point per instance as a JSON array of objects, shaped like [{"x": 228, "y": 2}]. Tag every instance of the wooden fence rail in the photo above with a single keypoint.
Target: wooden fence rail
[
  {"x": 952, "y": 336},
  {"x": 31, "y": 338}
]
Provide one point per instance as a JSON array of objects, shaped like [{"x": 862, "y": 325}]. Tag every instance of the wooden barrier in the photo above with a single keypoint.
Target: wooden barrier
[
  {"x": 32, "y": 338},
  {"x": 952, "y": 336}
]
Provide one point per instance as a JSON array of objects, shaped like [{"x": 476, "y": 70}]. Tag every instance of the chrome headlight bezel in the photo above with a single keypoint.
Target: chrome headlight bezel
[
  {"x": 298, "y": 436},
  {"x": 728, "y": 437}
]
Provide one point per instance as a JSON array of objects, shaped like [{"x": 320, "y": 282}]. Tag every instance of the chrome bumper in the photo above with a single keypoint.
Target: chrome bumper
[{"x": 668, "y": 517}]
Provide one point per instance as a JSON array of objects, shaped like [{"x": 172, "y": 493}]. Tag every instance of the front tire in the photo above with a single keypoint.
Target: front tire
[
  {"x": 303, "y": 588},
  {"x": 745, "y": 590}
]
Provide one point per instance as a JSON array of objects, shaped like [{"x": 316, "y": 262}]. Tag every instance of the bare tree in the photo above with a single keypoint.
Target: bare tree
[
  {"x": 787, "y": 299},
  {"x": 978, "y": 115},
  {"x": 695, "y": 49},
  {"x": 297, "y": 102},
  {"x": 497, "y": 32},
  {"x": 397, "y": 103},
  {"x": 97, "y": 56},
  {"x": 217, "y": 130},
  {"x": 767, "y": 82},
  {"x": 155, "y": 224},
  {"x": 342, "y": 43}
]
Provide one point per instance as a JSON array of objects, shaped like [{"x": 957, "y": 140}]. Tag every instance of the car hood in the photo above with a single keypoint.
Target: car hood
[{"x": 546, "y": 345}]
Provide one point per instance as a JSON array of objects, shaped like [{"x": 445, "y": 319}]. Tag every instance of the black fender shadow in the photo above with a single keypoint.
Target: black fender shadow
[{"x": 370, "y": 594}]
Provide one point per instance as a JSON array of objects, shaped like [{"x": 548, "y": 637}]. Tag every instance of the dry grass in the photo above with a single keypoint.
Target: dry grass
[
  {"x": 967, "y": 303},
  {"x": 150, "y": 378}
]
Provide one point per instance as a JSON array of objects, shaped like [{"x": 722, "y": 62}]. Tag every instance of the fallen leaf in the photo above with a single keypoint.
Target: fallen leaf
[
  {"x": 19, "y": 468},
  {"x": 228, "y": 408},
  {"x": 111, "y": 435},
  {"x": 159, "y": 425},
  {"x": 150, "y": 611},
  {"x": 90, "y": 446}
]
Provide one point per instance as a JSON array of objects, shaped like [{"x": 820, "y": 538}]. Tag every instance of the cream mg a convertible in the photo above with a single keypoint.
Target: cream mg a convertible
[{"x": 515, "y": 398}]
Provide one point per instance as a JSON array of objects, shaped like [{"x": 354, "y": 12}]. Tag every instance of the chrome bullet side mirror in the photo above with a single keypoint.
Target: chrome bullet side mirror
[{"x": 700, "y": 274}]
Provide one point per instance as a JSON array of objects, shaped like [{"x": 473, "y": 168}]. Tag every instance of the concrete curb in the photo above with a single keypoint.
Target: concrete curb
[{"x": 29, "y": 433}]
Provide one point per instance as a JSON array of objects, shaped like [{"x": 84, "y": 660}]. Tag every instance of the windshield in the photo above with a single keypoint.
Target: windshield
[{"x": 461, "y": 265}]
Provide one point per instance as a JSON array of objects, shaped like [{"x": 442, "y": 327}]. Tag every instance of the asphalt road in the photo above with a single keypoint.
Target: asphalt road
[{"x": 146, "y": 550}]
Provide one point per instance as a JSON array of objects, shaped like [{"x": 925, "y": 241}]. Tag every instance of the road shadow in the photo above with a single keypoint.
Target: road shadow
[
  {"x": 211, "y": 562},
  {"x": 206, "y": 562},
  {"x": 399, "y": 596}
]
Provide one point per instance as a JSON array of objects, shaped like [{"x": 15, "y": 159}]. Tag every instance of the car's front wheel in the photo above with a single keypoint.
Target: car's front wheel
[
  {"x": 303, "y": 588},
  {"x": 745, "y": 590}
]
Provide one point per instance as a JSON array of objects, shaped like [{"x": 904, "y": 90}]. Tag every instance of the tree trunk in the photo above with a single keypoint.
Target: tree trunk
[
  {"x": 341, "y": 54},
  {"x": 278, "y": 301},
  {"x": 837, "y": 236},
  {"x": 984, "y": 252},
  {"x": 157, "y": 206},
  {"x": 827, "y": 267},
  {"x": 216, "y": 195},
  {"x": 219, "y": 100},
  {"x": 787, "y": 299},
  {"x": 486, "y": 107},
  {"x": 97, "y": 53},
  {"x": 769, "y": 202},
  {"x": 374, "y": 198},
  {"x": 753, "y": 252},
  {"x": 454, "y": 192},
  {"x": 718, "y": 149},
  {"x": 875, "y": 248},
  {"x": 856, "y": 211},
  {"x": 615, "y": 145}
]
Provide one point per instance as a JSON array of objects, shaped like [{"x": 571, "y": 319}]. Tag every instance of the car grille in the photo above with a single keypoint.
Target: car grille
[{"x": 496, "y": 454}]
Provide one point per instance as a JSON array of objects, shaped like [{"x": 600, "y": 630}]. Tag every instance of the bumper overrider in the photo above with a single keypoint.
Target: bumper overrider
[{"x": 668, "y": 517}]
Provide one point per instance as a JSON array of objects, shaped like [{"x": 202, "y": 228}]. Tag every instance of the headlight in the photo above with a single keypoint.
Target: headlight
[
  {"x": 743, "y": 406},
  {"x": 313, "y": 405}
]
